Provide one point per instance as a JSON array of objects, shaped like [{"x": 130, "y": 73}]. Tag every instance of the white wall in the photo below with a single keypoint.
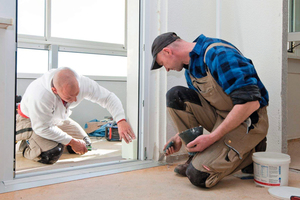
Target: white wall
[
  {"x": 257, "y": 27},
  {"x": 199, "y": 18}
]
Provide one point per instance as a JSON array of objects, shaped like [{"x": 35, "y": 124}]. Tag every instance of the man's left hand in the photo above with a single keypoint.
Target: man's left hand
[
  {"x": 125, "y": 131},
  {"x": 200, "y": 143}
]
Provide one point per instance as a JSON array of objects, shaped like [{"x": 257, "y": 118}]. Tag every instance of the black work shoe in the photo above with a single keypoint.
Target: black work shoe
[
  {"x": 181, "y": 169},
  {"x": 262, "y": 146},
  {"x": 70, "y": 150}
]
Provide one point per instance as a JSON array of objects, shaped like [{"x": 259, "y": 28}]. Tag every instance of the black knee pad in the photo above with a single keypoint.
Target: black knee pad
[
  {"x": 177, "y": 95},
  {"x": 196, "y": 177},
  {"x": 52, "y": 155}
]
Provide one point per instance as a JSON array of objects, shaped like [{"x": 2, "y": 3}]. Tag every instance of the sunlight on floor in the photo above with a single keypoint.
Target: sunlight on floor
[
  {"x": 89, "y": 155},
  {"x": 102, "y": 150}
]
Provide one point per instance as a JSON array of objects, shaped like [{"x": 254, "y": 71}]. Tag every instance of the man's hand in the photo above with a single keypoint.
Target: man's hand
[
  {"x": 176, "y": 147},
  {"x": 125, "y": 131},
  {"x": 78, "y": 146},
  {"x": 200, "y": 143}
]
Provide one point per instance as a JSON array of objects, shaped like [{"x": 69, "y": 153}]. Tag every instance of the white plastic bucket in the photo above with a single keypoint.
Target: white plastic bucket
[{"x": 271, "y": 169}]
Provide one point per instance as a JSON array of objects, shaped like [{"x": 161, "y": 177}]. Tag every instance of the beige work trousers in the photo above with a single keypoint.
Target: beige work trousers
[
  {"x": 231, "y": 153},
  {"x": 38, "y": 144}
]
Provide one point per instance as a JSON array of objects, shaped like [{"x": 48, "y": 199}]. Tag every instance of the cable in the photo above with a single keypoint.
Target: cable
[{"x": 291, "y": 50}]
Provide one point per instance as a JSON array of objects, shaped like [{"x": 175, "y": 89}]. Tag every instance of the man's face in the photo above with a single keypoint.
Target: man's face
[
  {"x": 67, "y": 93},
  {"x": 167, "y": 59}
]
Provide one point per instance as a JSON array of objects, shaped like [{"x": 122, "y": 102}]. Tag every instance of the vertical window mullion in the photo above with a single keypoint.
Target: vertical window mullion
[
  {"x": 53, "y": 49},
  {"x": 48, "y": 20},
  {"x": 125, "y": 26},
  {"x": 53, "y": 56}
]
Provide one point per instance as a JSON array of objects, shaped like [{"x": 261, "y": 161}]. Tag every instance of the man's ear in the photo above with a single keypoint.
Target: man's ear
[
  {"x": 167, "y": 51},
  {"x": 54, "y": 90}
]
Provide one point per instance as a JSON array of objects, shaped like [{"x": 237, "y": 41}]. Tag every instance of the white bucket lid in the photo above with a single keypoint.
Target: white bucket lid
[
  {"x": 284, "y": 192},
  {"x": 271, "y": 157}
]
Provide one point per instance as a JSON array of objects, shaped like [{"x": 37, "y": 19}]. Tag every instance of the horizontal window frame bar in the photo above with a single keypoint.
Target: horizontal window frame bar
[
  {"x": 293, "y": 36},
  {"x": 92, "y": 51},
  {"x": 69, "y": 44},
  {"x": 24, "y": 45},
  {"x": 95, "y": 78}
]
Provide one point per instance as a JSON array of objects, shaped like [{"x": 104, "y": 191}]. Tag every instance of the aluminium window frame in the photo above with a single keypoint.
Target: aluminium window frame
[{"x": 8, "y": 182}]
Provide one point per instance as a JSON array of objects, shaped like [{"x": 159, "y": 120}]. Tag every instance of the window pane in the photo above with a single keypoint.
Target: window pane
[
  {"x": 32, "y": 61},
  {"x": 31, "y": 17},
  {"x": 93, "y": 64},
  {"x": 93, "y": 20},
  {"x": 294, "y": 15}
]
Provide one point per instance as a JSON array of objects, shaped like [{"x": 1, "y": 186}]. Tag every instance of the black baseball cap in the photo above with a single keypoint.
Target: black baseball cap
[{"x": 159, "y": 43}]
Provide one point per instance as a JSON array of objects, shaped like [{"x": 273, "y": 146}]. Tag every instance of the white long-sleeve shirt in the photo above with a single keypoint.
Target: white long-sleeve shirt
[{"x": 46, "y": 110}]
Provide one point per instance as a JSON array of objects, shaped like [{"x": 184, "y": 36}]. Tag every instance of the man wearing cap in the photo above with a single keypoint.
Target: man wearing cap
[
  {"x": 224, "y": 95},
  {"x": 43, "y": 122}
]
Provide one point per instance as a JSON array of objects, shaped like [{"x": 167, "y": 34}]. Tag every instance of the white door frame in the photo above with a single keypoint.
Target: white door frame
[{"x": 7, "y": 113}]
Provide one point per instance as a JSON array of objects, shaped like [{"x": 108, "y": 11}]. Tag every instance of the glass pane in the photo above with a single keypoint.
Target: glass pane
[
  {"x": 294, "y": 15},
  {"x": 31, "y": 15},
  {"x": 93, "y": 20},
  {"x": 93, "y": 64},
  {"x": 32, "y": 61}
]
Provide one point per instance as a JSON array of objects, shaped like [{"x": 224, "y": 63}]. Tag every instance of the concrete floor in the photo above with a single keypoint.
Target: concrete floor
[{"x": 152, "y": 183}]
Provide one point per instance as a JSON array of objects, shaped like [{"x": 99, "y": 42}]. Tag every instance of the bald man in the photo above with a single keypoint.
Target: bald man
[{"x": 43, "y": 122}]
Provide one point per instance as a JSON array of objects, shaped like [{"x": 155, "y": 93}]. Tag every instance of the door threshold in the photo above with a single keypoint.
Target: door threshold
[{"x": 30, "y": 180}]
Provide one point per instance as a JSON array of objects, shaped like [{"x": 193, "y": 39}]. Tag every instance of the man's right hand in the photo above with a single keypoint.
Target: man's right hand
[
  {"x": 78, "y": 146},
  {"x": 176, "y": 147}
]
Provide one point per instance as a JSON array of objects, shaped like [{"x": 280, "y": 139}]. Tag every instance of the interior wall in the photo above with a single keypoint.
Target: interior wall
[
  {"x": 199, "y": 18},
  {"x": 87, "y": 110},
  {"x": 293, "y": 99},
  {"x": 257, "y": 29}
]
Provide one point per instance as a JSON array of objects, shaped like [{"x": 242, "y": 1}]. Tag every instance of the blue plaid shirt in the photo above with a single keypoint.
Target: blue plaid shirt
[{"x": 229, "y": 68}]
